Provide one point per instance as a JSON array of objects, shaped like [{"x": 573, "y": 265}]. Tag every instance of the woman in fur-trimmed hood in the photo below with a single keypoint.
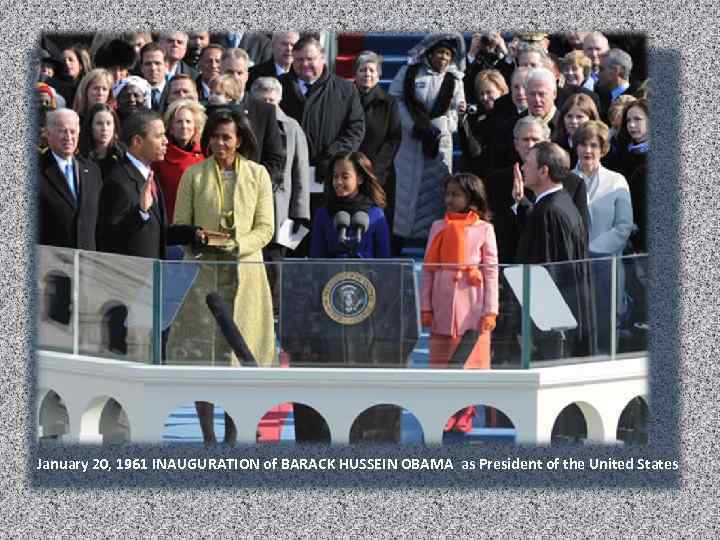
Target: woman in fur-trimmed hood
[{"x": 430, "y": 94}]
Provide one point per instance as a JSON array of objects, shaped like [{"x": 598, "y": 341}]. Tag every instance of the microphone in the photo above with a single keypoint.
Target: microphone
[
  {"x": 229, "y": 329},
  {"x": 361, "y": 222},
  {"x": 342, "y": 222}
]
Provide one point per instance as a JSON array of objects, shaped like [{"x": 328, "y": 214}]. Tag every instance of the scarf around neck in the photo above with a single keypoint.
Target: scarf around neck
[
  {"x": 448, "y": 246},
  {"x": 640, "y": 148},
  {"x": 360, "y": 202}
]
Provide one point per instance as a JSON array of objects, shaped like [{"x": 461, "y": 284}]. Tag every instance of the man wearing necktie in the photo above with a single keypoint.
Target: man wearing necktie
[
  {"x": 133, "y": 219},
  {"x": 69, "y": 187},
  {"x": 153, "y": 70},
  {"x": 594, "y": 46}
]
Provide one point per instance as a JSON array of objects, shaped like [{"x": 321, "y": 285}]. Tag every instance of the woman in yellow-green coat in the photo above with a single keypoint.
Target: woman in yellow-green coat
[{"x": 229, "y": 193}]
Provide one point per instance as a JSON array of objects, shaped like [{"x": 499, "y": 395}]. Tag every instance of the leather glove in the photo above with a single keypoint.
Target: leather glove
[
  {"x": 426, "y": 318},
  {"x": 487, "y": 323}
]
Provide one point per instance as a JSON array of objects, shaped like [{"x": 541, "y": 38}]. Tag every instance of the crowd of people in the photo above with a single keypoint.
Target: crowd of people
[{"x": 150, "y": 142}]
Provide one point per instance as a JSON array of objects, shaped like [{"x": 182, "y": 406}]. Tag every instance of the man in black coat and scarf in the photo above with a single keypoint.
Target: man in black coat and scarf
[
  {"x": 326, "y": 106},
  {"x": 329, "y": 110}
]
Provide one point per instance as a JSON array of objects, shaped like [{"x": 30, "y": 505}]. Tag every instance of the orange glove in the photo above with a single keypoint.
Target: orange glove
[
  {"x": 487, "y": 323},
  {"x": 426, "y": 318},
  {"x": 475, "y": 277}
]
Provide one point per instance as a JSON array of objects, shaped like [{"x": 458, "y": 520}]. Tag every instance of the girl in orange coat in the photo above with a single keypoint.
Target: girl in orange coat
[{"x": 460, "y": 280}]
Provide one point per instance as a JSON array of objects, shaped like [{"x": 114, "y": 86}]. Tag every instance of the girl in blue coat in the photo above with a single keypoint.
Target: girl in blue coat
[{"x": 352, "y": 188}]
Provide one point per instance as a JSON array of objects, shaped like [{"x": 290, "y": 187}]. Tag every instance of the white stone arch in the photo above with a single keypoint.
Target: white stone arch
[
  {"x": 644, "y": 404},
  {"x": 53, "y": 419},
  {"x": 220, "y": 399},
  {"x": 597, "y": 426},
  {"x": 104, "y": 420}
]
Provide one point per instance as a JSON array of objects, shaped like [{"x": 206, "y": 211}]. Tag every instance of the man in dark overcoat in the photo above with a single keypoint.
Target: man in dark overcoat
[{"x": 69, "y": 187}]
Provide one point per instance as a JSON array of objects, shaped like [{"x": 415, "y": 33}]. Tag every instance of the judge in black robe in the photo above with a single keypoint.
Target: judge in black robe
[{"x": 554, "y": 232}]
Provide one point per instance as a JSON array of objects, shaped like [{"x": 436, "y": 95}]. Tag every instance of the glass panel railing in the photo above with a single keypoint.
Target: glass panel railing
[
  {"x": 570, "y": 312},
  {"x": 239, "y": 291},
  {"x": 55, "y": 300},
  {"x": 632, "y": 327},
  {"x": 338, "y": 313},
  {"x": 116, "y": 305}
]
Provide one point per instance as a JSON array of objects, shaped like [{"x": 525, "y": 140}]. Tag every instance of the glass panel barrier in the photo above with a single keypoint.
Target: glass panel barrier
[
  {"x": 192, "y": 332},
  {"x": 55, "y": 288},
  {"x": 116, "y": 306},
  {"x": 633, "y": 325},
  {"x": 338, "y": 312},
  {"x": 570, "y": 312}
]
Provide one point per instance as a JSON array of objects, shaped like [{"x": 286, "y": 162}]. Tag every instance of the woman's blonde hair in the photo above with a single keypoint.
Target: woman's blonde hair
[
  {"x": 80, "y": 104},
  {"x": 577, "y": 58},
  {"x": 197, "y": 111},
  {"x": 229, "y": 86},
  {"x": 491, "y": 76}
]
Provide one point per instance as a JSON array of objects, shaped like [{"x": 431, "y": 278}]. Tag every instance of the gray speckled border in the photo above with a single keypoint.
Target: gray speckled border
[{"x": 683, "y": 213}]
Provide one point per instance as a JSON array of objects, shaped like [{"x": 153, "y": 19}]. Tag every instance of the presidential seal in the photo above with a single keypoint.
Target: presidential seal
[{"x": 349, "y": 298}]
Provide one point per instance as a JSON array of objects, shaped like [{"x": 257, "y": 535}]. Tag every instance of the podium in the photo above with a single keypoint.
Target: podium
[{"x": 358, "y": 312}]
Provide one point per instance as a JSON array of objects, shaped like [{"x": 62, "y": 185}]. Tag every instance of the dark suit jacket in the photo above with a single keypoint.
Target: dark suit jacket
[
  {"x": 566, "y": 91},
  {"x": 575, "y": 187},
  {"x": 508, "y": 225},
  {"x": 186, "y": 69},
  {"x": 257, "y": 45},
  {"x": 266, "y": 69},
  {"x": 64, "y": 222},
  {"x": 383, "y": 132},
  {"x": 263, "y": 121},
  {"x": 606, "y": 100},
  {"x": 331, "y": 115},
  {"x": 121, "y": 228}
]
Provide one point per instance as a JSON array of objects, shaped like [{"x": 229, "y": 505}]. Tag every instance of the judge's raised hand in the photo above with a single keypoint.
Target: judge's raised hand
[
  {"x": 146, "y": 197},
  {"x": 518, "y": 184}
]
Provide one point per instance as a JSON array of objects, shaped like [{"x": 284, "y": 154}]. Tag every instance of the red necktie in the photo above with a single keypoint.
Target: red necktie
[{"x": 153, "y": 186}]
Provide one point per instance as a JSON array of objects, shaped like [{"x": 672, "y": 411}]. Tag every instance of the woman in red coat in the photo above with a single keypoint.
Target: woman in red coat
[{"x": 184, "y": 122}]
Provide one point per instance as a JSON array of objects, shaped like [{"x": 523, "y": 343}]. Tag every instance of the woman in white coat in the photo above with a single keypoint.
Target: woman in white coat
[
  {"x": 611, "y": 218},
  {"x": 430, "y": 94}
]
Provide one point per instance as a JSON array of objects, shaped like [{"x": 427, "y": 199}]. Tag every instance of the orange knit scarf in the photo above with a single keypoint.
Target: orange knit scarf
[{"x": 448, "y": 246}]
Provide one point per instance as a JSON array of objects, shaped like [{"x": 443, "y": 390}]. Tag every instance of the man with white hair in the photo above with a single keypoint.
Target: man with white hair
[
  {"x": 69, "y": 187},
  {"x": 594, "y": 46},
  {"x": 614, "y": 78},
  {"x": 532, "y": 56},
  {"x": 175, "y": 46},
  {"x": 280, "y": 63},
  {"x": 541, "y": 90}
]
